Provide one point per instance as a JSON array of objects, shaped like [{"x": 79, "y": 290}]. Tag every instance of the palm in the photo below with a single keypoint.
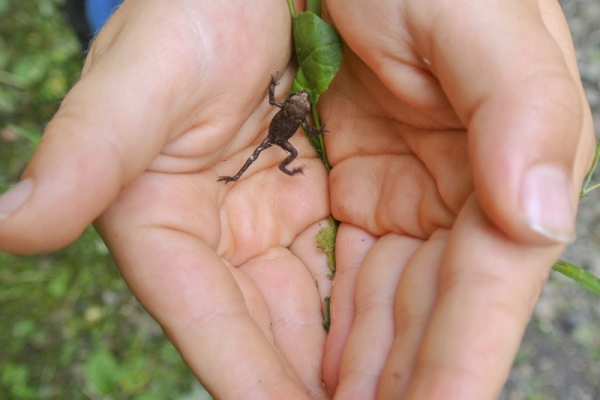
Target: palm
[
  {"x": 411, "y": 165},
  {"x": 226, "y": 267},
  {"x": 203, "y": 256}
]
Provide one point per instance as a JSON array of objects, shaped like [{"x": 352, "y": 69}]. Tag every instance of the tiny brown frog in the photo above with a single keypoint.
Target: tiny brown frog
[{"x": 283, "y": 126}]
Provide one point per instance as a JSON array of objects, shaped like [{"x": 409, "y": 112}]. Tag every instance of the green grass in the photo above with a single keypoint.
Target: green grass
[{"x": 70, "y": 328}]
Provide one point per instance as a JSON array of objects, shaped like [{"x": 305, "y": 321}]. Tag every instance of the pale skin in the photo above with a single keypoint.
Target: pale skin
[{"x": 434, "y": 122}]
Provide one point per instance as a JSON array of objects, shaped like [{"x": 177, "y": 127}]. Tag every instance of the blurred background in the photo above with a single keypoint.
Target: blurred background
[{"x": 69, "y": 326}]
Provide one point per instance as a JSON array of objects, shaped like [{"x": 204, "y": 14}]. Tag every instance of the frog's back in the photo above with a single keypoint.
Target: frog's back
[{"x": 283, "y": 127}]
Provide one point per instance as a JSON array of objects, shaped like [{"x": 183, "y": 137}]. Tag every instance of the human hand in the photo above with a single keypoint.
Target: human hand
[
  {"x": 99, "y": 148},
  {"x": 168, "y": 91},
  {"x": 459, "y": 136}
]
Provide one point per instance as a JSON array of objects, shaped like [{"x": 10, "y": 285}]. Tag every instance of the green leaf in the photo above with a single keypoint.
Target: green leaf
[
  {"x": 102, "y": 371},
  {"x": 319, "y": 51}
]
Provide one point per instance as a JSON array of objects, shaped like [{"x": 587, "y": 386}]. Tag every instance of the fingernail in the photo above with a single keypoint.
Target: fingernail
[
  {"x": 15, "y": 197},
  {"x": 546, "y": 200}
]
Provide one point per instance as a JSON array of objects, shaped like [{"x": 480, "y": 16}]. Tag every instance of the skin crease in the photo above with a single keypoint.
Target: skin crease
[{"x": 438, "y": 269}]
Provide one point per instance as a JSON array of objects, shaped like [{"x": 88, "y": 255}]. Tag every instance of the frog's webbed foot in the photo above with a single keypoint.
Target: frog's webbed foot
[{"x": 227, "y": 179}]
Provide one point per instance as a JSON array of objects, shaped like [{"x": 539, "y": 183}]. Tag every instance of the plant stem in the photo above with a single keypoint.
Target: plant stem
[
  {"x": 320, "y": 137},
  {"x": 578, "y": 274},
  {"x": 292, "y": 8},
  {"x": 586, "y": 189}
]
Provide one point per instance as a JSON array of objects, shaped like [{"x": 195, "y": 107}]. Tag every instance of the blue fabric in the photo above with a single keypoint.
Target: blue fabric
[{"x": 98, "y": 12}]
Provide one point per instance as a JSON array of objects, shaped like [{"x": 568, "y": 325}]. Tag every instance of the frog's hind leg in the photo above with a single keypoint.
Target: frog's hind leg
[
  {"x": 264, "y": 145},
  {"x": 287, "y": 146}
]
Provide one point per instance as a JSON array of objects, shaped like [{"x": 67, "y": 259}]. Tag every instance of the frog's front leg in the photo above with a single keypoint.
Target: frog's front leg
[
  {"x": 272, "y": 100},
  {"x": 311, "y": 130}
]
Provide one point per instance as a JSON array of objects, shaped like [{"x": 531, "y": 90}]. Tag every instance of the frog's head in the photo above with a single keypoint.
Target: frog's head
[{"x": 300, "y": 100}]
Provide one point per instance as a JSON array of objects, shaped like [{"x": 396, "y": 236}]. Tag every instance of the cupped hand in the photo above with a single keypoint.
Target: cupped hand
[
  {"x": 172, "y": 96},
  {"x": 459, "y": 137}
]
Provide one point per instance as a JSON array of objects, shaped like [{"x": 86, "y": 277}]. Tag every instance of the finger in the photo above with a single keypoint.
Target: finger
[
  {"x": 394, "y": 74},
  {"x": 415, "y": 298},
  {"x": 294, "y": 304},
  {"x": 485, "y": 300},
  {"x": 351, "y": 246},
  {"x": 381, "y": 181},
  {"x": 195, "y": 299},
  {"x": 373, "y": 329},
  {"x": 526, "y": 115},
  {"x": 149, "y": 80}
]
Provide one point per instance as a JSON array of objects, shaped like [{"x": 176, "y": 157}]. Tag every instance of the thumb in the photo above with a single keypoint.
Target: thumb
[
  {"x": 519, "y": 93},
  {"x": 148, "y": 81},
  {"x": 110, "y": 126}
]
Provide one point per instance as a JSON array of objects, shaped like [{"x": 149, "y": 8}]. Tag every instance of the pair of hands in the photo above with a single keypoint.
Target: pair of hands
[{"x": 458, "y": 133}]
